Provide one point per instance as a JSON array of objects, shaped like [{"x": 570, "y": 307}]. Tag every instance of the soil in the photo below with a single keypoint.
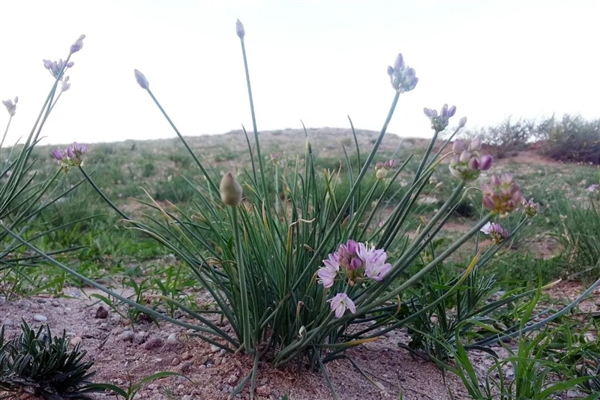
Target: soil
[{"x": 123, "y": 356}]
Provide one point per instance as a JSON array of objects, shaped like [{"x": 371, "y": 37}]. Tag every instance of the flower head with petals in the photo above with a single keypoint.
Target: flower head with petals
[{"x": 340, "y": 303}]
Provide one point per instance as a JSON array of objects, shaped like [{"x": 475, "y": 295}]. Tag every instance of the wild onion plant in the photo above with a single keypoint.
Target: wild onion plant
[
  {"x": 22, "y": 195},
  {"x": 299, "y": 274}
]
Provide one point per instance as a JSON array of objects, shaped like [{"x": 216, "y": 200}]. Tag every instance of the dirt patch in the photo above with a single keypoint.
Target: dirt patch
[{"x": 124, "y": 355}]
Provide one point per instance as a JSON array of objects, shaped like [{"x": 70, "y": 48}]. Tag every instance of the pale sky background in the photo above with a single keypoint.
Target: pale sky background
[{"x": 315, "y": 61}]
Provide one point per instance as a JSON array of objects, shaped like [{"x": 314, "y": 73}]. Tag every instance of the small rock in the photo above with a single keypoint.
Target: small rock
[
  {"x": 140, "y": 337},
  {"x": 101, "y": 313},
  {"x": 55, "y": 303},
  {"x": 214, "y": 348},
  {"x": 152, "y": 386},
  {"x": 75, "y": 341},
  {"x": 175, "y": 361},
  {"x": 40, "y": 318},
  {"x": 126, "y": 336},
  {"x": 117, "y": 331},
  {"x": 186, "y": 397},
  {"x": 42, "y": 301},
  {"x": 203, "y": 360},
  {"x": 222, "y": 352},
  {"x": 233, "y": 378},
  {"x": 218, "y": 361},
  {"x": 172, "y": 339},
  {"x": 186, "y": 367},
  {"x": 186, "y": 356},
  {"x": 264, "y": 391},
  {"x": 153, "y": 343}
]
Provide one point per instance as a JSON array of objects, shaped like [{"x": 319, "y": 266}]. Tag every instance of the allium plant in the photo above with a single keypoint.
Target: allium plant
[
  {"x": 22, "y": 195},
  {"x": 297, "y": 273}
]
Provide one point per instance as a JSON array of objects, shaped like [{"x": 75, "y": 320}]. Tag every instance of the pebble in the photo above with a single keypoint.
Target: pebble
[
  {"x": 140, "y": 337},
  {"x": 232, "y": 379},
  {"x": 101, "y": 313},
  {"x": 75, "y": 341},
  {"x": 186, "y": 367},
  {"x": 172, "y": 339},
  {"x": 204, "y": 360},
  {"x": 153, "y": 343},
  {"x": 55, "y": 303},
  {"x": 186, "y": 397},
  {"x": 175, "y": 361},
  {"x": 117, "y": 331},
  {"x": 186, "y": 356},
  {"x": 40, "y": 318},
  {"x": 218, "y": 361},
  {"x": 126, "y": 336},
  {"x": 222, "y": 352},
  {"x": 263, "y": 391}
]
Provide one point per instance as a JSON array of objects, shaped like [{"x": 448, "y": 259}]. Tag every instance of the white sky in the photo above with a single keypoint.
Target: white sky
[{"x": 316, "y": 61}]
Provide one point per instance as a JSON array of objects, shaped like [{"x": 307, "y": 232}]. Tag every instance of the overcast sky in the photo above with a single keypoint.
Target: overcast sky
[{"x": 315, "y": 61}]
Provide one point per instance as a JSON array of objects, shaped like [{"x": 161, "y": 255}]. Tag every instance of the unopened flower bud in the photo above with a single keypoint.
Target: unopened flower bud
[
  {"x": 474, "y": 164},
  {"x": 458, "y": 146},
  {"x": 75, "y": 47},
  {"x": 485, "y": 162},
  {"x": 239, "y": 29},
  {"x": 462, "y": 122},
  {"x": 451, "y": 111},
  {"x": 475, "y": 144},
  {"x": 231, "y": 190},
  {"x": 381, "y": 173},
  {"x": 390, "y": 70},
  {"x": 427, "y": 112},
  {"x": 141, "y": 79},
  {"x": 444, "y": 112},
  {"x": 399, "y": 62},
  {"x": 464, "y": 157},
  {"x": 378, "y": 165}
]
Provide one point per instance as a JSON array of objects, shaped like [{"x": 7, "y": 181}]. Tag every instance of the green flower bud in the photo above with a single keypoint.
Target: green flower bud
[{"x": 231, "y": 190}]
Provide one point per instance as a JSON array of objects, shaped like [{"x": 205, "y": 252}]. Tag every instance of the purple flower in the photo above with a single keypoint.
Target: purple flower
[
  {"x": 58, "y": 154},
  {"x": 485, "y": 162},
  {"x": 374, "y": 261},
  {"x": 497, "y": 233},
  {"x": 340, "y": 303},
  {"x": 402, "y": 77},
  {"x": 71, "y": 156},
  {"x": 467, "y": 163},
  {"x": 56, "y": 67},
  {"x": 328, "y": 273},
  {"x": 593, "y": 188},
  {"x": 462, "y": 122},
  {"x": 11, "y": 106},
  {"x": 439, "y": 122},
  {"x": 65, "y": 84},
  {"x": 141, "y": 79},
  {"x": 239, "y": 29},
  {"x": 75, "y": 47},
  {"x": 531, "y": 207}
]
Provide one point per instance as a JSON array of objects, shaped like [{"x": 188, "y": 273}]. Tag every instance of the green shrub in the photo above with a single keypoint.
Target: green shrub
[
  {"x": 42, "y": 364},
  {"x": 572, "y": 139}
]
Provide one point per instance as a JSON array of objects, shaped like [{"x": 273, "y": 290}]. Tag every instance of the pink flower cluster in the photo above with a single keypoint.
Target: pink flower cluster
[
  {"x": 381, "y": 168},
  {"x": 467, "y": 163},
  {"x": 355, "y": 261},
  {"x": 71, "y": 156},
  {"x": 501, "y": 196}
]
